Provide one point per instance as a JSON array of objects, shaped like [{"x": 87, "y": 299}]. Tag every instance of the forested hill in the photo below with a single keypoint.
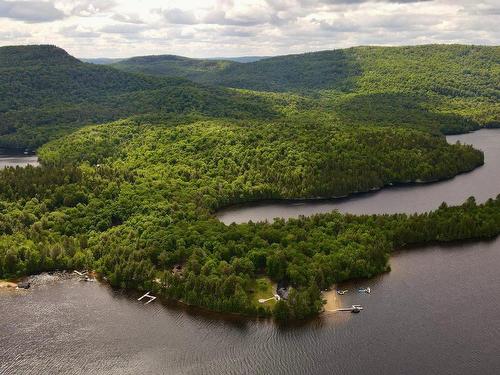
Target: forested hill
[
  {"x": 362, "y": 81},
  {"x": 462, "y": 68},
  {"x": 437, "y": 88},
  {"x": 16, "y": 56},
  {"x": 51, "y": 93},
  {"x": 202, "y": 70}
]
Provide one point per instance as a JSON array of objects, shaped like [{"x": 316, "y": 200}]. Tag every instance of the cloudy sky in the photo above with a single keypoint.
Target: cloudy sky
[{"x": 208, "y": 28}]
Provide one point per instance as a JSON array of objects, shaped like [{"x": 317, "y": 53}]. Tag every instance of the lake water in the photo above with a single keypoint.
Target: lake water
[
  {"x": 11, "y": 158},
  {"x": 436, "y": 312}
]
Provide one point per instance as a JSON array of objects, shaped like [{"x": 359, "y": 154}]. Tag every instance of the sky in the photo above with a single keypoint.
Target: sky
[{"x": 229, "y": 28}]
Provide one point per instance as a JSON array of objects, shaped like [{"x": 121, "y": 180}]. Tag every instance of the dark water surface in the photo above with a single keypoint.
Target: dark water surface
[
  {"x": 483, "y": 183},
  {"x": 436, "y": 312}
]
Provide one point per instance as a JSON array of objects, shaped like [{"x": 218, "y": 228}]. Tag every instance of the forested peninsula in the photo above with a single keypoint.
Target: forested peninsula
[{"x": 135, "y": 198}]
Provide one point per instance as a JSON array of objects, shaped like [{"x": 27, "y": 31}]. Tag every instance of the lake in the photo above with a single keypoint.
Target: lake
[
  {"x": 13, "y": 158},
  {"x": 436, "y": 312}
]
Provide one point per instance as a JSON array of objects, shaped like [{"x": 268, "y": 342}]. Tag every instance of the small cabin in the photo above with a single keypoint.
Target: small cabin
[{"x": 283, "y": 293}]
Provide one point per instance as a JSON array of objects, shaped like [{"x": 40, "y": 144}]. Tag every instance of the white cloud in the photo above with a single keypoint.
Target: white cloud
[
  {"x": 201, "y": 28},
  {"x": 89, "y": 8},
  {"x": 76, "y": 31},
  {"x": 179, "y": 16},
  {"x": 128, "y": 18},
  {"x": 30, "y": 11},
  {"x": 13, "y": 34},
  {"x": 126, "y": 29}
]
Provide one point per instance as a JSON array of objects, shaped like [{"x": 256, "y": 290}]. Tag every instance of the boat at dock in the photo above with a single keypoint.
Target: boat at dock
[{"x": 355, "y": 309}]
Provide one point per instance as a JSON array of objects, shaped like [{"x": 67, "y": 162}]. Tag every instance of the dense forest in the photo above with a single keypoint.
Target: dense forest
[
  {"x": 174, "y": 66},
  {"x": 51, "y": 93},
  {"x": 134, "y": 199},
  {"x": 454, "y": 80},
  {"x": 447, "y": 89}
]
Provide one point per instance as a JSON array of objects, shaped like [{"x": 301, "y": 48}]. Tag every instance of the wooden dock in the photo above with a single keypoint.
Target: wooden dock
[
  {"x": 147, "y": 295},
  {"x": 275, "y": 297}
]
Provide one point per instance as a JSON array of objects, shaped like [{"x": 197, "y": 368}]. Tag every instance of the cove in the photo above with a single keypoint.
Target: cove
[{"x": 482, "y": 183}]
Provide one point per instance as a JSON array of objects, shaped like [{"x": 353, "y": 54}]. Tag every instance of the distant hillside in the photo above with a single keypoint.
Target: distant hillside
[
  {"x": 168, "y": 58},
  {"x": 463, "y": 69},
  {"x": 100, "y": 60},
  {"x": 31, "y": 56},
  {"x": 242, "y": 59},
  {"x": 438, "y": 88},
  {"x": 51, "y": 92},
  {"x": 200, "y": 70},
  {"x": 456, "y": 79}
]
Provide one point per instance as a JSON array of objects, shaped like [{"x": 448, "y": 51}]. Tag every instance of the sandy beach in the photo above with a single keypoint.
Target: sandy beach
[{"x": 7, "y": 285}]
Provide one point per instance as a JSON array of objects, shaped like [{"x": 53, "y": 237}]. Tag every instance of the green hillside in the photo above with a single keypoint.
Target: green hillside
[
  {"x": 455, "y": 70},
  {"x": 201, "y": 70},
  {"x": 51, "y": 93},
  {"x": 436, "y": 88},
  {"x": 457, "y": 80}
]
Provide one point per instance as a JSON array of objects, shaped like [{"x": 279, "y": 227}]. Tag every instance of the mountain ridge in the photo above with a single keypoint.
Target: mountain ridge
[{"x": 52, "y": 93}]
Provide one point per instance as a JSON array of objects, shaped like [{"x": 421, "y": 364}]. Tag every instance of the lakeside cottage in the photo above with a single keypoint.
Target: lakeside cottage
[{"x": 282, "y": 289}]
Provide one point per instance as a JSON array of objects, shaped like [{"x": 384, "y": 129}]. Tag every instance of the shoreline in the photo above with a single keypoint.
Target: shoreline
[
  {"x": 265, "y": 201},
  {"x": 331, "y": 300},
  {"x": 220, "y": 211}
]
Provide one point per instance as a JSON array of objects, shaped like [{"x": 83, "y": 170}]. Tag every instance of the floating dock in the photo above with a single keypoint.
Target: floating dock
[{"x": 147, "y": 295}]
